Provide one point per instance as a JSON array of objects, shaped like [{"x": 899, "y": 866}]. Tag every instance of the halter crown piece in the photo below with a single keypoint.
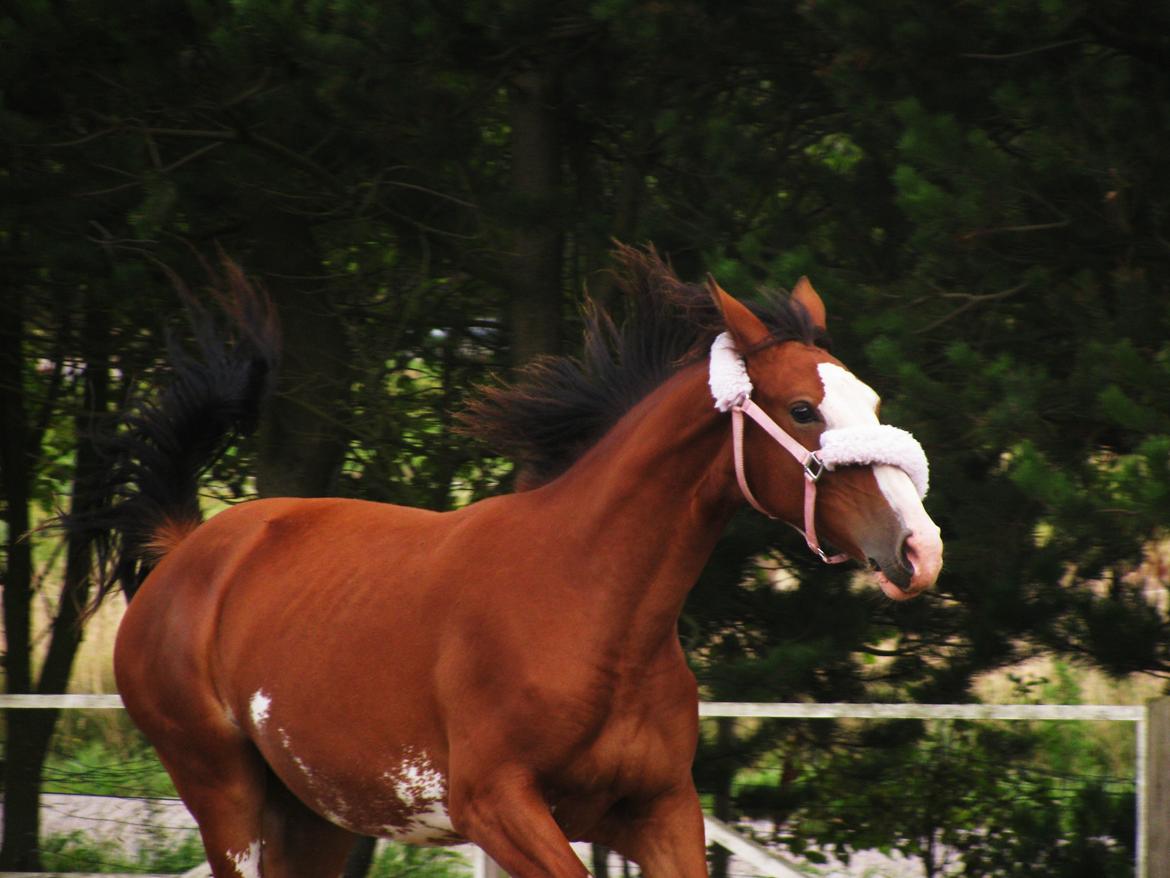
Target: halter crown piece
[{"x": 844, "y": 446}]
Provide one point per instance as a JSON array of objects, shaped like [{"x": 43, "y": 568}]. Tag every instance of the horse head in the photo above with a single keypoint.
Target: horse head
[{"x": 821, "y": 460}]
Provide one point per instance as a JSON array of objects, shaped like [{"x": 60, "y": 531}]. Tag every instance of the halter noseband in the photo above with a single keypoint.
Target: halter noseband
[{"x": 871, "y": 444}]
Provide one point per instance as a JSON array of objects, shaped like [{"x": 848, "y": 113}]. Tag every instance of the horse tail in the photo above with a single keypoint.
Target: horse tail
[{"x": 148, "y": 501}]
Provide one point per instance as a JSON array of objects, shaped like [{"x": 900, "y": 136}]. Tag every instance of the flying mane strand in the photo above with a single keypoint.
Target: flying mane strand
[{"x": 559, "y": 407}]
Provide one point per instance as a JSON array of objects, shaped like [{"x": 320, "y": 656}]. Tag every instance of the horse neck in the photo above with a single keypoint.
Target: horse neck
[{"x": 646, "y": 505}]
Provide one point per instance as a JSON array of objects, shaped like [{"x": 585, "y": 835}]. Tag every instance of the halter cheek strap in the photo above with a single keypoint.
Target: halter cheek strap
[{"x": 809, "y": 461}]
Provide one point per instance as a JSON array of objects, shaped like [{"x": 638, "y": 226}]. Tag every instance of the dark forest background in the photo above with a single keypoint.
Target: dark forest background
[{"x": 428, "y": 190}]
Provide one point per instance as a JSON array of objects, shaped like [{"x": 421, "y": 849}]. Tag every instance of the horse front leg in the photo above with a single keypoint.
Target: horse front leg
[
  {"x": 506, "y": 816},
  {"x": 664, "y": 835}
]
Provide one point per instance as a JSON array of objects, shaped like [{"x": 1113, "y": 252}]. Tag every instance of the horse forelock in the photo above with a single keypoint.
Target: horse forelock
[{"x": 559, "y": 407}]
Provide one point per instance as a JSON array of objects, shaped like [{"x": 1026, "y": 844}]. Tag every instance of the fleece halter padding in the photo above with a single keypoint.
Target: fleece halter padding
[
  {"x": 728, "y": 377},
  {"x": 844, "y": 446},
  {"x": 877, "y": 443}
]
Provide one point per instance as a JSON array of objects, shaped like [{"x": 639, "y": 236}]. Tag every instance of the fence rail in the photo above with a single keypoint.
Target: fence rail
[
  {"x": 848, "y": 710},
  {"x": 1151, "y": 727},
  {"x": 57, "y": 702}
]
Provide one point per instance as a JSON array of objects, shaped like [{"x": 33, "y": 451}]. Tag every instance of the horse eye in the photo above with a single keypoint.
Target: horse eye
[{"x": 803, "y": 413}]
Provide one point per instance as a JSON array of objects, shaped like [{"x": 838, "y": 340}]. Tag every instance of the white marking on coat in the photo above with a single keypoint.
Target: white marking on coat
[
  {"x": 297, "y": 760},
  {"x": 246, "y": 863},
  {"x": 422, "y": 790},
  {"x": 418, "y": 783},
  {"x": 329, "y": 802},
  {"x": 848, "y": 401},
  {"x": 433, "y": 826},
  {"x": 258, "y": 708}
]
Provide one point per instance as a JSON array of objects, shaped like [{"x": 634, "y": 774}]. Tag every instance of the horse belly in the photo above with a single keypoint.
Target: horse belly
[
  {"x": 399, "y": 793},
  {"x": 407, "y": 803}
]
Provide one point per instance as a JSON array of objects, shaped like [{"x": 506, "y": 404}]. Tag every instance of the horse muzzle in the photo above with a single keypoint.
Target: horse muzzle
[{"x": 913, "y": 568}]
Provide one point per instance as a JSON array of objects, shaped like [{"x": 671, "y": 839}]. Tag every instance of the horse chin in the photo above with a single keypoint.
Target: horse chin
[
  {"x": 892, "y": 591},
  {"x": 912, "y": 571}
]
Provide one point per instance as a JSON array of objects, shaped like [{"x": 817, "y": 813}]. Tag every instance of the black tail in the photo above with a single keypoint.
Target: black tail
[{"x": 149, "y": 499}]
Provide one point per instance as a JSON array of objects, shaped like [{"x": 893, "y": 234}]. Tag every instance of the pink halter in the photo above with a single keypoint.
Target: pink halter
[
  {"x": 845, "y": 446},
  {"x": 812, "y": 465}
]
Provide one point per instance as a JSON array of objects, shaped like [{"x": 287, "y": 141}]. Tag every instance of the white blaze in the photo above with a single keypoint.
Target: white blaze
[{"x": 850, "y": 402}]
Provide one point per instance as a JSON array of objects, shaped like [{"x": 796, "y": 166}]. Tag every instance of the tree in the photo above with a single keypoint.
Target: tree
[
  {"x": 32, "y": 411},
  {"x": 1002, "y": 276},
  {"x": 426, "y": 189}
]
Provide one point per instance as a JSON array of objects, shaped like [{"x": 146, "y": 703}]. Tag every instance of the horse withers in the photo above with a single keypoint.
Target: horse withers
[{"x": 508, "y": 673}]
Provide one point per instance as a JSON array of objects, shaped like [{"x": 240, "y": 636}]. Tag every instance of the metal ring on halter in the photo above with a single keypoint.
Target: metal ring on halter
[{"x": 814, "y": 467}]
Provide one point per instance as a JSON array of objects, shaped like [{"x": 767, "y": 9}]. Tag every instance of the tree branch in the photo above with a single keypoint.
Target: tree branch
[{"x": 1022, "y": 53}]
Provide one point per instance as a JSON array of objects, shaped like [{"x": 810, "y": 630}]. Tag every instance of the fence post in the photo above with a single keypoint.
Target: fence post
[{"x": 1157, "y": 793}]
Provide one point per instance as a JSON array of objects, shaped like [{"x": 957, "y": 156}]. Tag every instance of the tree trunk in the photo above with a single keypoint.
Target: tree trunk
[
  {"x": 21, "y": 774},
  {"x": 29, "y": 732},
  {"x": 538, "y": 238},
  {"x": 66, "y": 630},
  {"x": 302, "y": 435}
]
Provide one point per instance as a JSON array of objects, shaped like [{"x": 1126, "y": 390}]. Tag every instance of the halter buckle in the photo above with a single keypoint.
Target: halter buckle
[{"x": 814, "y": 467}]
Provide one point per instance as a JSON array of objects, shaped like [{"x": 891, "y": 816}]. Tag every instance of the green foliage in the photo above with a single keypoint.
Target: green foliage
[
  {"x": 100, "y": 753},
  {"x": 162, "y": 853},
  {"x": 978, "y": 190},
  {"x": 407, "y": 861},
  {"x": 93, "y": 769},
  {"x": 976, "y": 793}
]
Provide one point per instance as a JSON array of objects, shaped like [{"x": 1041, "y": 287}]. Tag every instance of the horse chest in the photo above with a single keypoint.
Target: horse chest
[{"x": 631, "y": 757}]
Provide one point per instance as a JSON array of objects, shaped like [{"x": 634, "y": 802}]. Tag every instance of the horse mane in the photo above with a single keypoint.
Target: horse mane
[{"x": 559, "y": 407}]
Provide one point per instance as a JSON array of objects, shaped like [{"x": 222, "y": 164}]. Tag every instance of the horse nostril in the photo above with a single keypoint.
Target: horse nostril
[{"x": 906, "y": 553}]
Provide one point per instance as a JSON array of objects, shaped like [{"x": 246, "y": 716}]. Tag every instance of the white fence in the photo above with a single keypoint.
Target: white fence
[
  {"x": 1151, "y": 727},
  {"x": 1152, "y": 771}
]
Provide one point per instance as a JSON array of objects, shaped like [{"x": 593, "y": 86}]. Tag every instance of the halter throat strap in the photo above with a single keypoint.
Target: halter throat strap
[{"x": 809, "y": 461}]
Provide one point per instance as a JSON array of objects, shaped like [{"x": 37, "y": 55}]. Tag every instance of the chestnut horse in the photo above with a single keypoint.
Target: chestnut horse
[{"x": 508, "y": 673}]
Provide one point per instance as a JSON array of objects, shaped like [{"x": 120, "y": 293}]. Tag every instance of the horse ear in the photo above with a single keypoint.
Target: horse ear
[
  {"x": 804, "y": 294},
  {"x": 745, "y": 327}
]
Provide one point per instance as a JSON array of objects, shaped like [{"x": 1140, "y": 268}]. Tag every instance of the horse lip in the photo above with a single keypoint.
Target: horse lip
[
  {"x": 893, "y": 572},
  {"x": 892, "y": 590},
  {"x": 896, "y": 573},
  {"x": 915, "y": 569}
]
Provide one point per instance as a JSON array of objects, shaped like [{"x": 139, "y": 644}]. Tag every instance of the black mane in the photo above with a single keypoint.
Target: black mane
[{"x": 560, "y": 406}]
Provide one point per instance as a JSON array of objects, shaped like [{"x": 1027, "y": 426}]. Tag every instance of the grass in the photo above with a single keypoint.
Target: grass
[
  {"x": 161, "y": 853},
  {"x": 100, "y": 753},
  {"x": 165, "y": 853},
  {"x": 406, "y": 861}
]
